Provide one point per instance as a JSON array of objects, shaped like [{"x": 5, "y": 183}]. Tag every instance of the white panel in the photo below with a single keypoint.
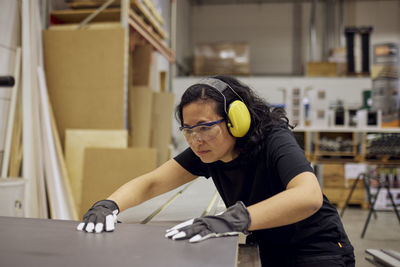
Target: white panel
[
  {"x": 7, "y": 61},
  {"x": 9, "y": 34},
  {"x": 4, "y": 107},
  {"x": 9, "y": 24}
]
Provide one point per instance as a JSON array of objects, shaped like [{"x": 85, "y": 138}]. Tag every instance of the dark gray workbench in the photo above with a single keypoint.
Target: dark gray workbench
[{"x": 38, "y": 242}]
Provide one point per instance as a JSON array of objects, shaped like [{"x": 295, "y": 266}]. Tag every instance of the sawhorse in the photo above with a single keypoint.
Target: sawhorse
[{"x": 371, "y": 201}]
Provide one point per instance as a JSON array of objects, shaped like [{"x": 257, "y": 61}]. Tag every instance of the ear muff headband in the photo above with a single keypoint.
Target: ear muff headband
[{"x": 237, "y": 112}]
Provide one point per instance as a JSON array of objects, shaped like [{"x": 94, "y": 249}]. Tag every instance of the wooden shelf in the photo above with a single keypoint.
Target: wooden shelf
[
  {"x": 347, "y": 129},
  {"x": 358, "y": 136},
  {"x": 136, "y": 22}
]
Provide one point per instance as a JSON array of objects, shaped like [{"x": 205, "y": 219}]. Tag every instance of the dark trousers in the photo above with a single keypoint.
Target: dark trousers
[{"x": 268, "y": 260}]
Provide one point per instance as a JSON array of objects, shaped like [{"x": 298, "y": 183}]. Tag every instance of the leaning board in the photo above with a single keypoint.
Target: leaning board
[
  {"x": 75, "y": 143},
  {"x": 106, "y": 169},
  {"x": 40, "y": 242}
]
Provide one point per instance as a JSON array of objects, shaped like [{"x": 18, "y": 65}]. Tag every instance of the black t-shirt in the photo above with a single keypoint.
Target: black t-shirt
[{"x": 254, "y": 180}]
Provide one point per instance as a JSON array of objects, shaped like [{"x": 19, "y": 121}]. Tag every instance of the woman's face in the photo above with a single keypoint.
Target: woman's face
[{"x": 219, "y": 145}]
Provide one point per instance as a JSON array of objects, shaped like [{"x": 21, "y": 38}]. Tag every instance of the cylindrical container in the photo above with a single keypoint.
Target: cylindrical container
[{"x": 12, "y": 197}]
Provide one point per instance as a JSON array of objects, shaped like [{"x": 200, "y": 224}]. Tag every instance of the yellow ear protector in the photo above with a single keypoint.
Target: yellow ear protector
[{"x": 238, "y": 114}]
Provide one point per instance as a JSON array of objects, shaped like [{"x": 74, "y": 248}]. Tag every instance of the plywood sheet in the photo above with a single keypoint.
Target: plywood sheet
[
  {"x": 35, "y": 242},
  {"x": 140, "y": 108},
  {"x": 84, "y": 71},
  {"x": 141, "y": 58},
  {"x": 106, "y": 169},
  {"x": 75, "y": 143},
  {"x": 163, "y": 108}
]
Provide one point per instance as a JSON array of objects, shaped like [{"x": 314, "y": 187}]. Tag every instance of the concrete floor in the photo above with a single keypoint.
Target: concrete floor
[{"x": 382, "y": 233}]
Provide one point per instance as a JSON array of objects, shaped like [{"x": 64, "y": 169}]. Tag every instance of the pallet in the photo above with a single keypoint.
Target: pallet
[
  {"x": 382, "y": 159},
  {"x": 340, "y": 204},
  {"x": 338, "y": 196}
]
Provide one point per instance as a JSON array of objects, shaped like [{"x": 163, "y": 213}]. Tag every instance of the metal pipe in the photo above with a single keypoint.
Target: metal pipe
[
  {"x": 342, "y": 40},
  {"x": 163, "y": 206},
  {"x": 210, "y": 204},
  {"x": 313, "y": 34}
]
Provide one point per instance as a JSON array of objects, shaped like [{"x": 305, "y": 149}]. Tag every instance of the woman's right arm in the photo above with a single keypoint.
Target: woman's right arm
[{"x": 165, "y": 178}]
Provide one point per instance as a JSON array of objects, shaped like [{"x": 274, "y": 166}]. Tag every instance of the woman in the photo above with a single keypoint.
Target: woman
[{"x": 270, "y": 189}]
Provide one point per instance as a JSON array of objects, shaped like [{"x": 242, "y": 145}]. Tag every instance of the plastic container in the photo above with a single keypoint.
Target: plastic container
[{"x": 12, "y": 191}]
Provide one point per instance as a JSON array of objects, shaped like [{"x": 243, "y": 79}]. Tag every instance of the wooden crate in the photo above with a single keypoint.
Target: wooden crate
[
  {"x": 338, "y": 196},
  {"x": 333, "y": 175}
]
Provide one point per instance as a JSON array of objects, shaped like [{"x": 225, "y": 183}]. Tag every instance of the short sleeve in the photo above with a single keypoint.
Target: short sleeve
[
  {"x": 287, "y": 156},
  {"x": 192, "y": 163}
]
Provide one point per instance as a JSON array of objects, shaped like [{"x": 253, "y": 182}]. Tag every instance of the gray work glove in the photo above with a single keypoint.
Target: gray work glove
[
  {"x": 102, "y": 216},
  {"x": 235, "y": 220}
]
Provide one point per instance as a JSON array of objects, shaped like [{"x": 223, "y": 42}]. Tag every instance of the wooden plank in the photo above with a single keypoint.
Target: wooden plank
[
  {"x": 138, "y": 25},
  {"x": 16, "y": 143},
  {"x": 75, "y": 143},
  {"x": 91, "y": 26},
  {"x": 37, "y": 60},
  {"x": 11, "y": 115},
  {"x": 163, "y": 107},
  {"x": 141, "y": 62},
  {"x": 76, "y": 16},
  {"x": 380, "y": 258},
  {"x": 63, "y": 167},
  {"x": 57, "y": 194},
  {"x": 86, "y": 90},
  {"x": 150, "y": 15},
  {"x": 150, "y": 5},
  {"x": 140, "y": 108},
  {"x": 134, "y": 20},
  {"x": 106, "y": 169},
  {"x": 30, "y": 136}
]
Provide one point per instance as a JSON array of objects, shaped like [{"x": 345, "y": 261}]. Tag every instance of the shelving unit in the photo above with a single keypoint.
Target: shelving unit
[
  {"x": 335, "y": 186},
  {"x": 153, "y": 34},
  {"x": 358, "y": 152}
]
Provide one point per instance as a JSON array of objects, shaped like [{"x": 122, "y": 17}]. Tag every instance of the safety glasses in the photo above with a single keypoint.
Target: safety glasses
[{"x": 202, "y": 131}]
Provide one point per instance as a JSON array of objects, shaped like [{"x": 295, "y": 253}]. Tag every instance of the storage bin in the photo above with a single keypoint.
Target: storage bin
[{"x": 12, "y": 192}]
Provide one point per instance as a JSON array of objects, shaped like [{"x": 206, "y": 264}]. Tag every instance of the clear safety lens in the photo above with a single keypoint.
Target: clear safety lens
[{"x": 201, "y": 133}]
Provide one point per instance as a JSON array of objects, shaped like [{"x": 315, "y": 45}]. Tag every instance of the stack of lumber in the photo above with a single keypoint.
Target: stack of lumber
[
  {"x": 109, "y": 135},
  {"x": 145, "y": 9},
  {"x": 32, "y": 150},
  {"x": 73, "y": 132}
]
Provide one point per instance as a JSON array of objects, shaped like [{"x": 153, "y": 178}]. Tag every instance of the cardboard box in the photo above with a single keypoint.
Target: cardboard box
[
  {"x": 333, "y": 175},
  {"x": 222, "y": 58},
  {"x": 85, "y": 77},
  {"x": 323, "y": 68},
  {"x": 386, "y": 54},
  {"x": 107, "y": 169}
]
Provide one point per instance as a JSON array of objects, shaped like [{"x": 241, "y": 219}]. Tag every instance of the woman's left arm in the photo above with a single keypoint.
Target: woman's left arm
[{"x": 301, "y": 199}]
